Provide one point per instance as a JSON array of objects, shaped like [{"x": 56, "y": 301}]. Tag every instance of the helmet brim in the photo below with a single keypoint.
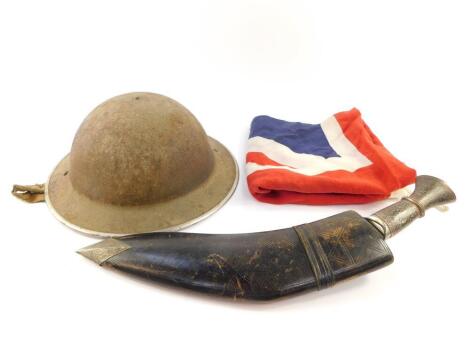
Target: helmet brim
[{"x": 93, "y": 217}]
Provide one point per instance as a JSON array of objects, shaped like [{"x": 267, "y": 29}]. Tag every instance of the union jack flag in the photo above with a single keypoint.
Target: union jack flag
[{"x": 339, "y": 161}]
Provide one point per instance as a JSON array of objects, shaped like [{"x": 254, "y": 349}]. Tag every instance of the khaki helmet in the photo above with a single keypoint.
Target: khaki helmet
[{"x": 140, "y": 162}]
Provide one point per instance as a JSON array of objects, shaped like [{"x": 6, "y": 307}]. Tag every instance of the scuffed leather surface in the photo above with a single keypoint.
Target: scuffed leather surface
[{"x": 263, "y": 265}]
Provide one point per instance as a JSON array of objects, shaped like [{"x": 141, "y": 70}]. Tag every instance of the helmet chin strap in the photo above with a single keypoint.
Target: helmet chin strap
[{"x": 29, "y": 193}]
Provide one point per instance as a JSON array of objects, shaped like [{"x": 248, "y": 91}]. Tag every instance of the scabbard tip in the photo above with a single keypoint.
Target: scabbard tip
[{"x": 104, "y": 250}]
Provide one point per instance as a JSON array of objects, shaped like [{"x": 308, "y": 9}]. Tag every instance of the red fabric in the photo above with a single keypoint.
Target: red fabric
[{"x": 374, "y": 182}]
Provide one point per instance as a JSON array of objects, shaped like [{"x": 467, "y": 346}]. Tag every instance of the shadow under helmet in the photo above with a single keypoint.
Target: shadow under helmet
[{"x": 140, "y": 162}]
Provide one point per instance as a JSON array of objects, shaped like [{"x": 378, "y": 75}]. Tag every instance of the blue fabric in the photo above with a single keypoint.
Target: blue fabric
[{"x": 299, "y": 137}]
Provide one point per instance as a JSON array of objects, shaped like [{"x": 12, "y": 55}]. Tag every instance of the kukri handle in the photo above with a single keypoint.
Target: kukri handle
[{"x": 429, "y": 192}]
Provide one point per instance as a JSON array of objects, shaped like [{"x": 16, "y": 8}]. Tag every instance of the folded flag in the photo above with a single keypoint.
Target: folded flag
[{"x": 339, "y": 161}]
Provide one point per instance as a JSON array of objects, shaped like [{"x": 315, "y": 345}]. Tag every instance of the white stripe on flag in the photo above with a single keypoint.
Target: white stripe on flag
[{"x": 307, "y": 164}]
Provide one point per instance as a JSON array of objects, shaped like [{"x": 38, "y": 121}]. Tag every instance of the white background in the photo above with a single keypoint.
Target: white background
[{"x": 404, "y": 64}]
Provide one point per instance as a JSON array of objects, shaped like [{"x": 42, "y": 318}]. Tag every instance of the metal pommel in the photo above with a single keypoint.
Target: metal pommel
[{"x": 429, "y": 192}]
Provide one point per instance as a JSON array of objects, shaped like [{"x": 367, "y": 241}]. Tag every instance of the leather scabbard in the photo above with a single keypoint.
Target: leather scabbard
[{"x": 262, "y": 265}]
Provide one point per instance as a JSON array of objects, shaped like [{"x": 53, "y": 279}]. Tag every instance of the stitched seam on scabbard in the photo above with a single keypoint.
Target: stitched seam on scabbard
[
  {"x": 310, "y": 255},
  {"x": 329, "y": 276},
  {"x": 317, "y": 257}
]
